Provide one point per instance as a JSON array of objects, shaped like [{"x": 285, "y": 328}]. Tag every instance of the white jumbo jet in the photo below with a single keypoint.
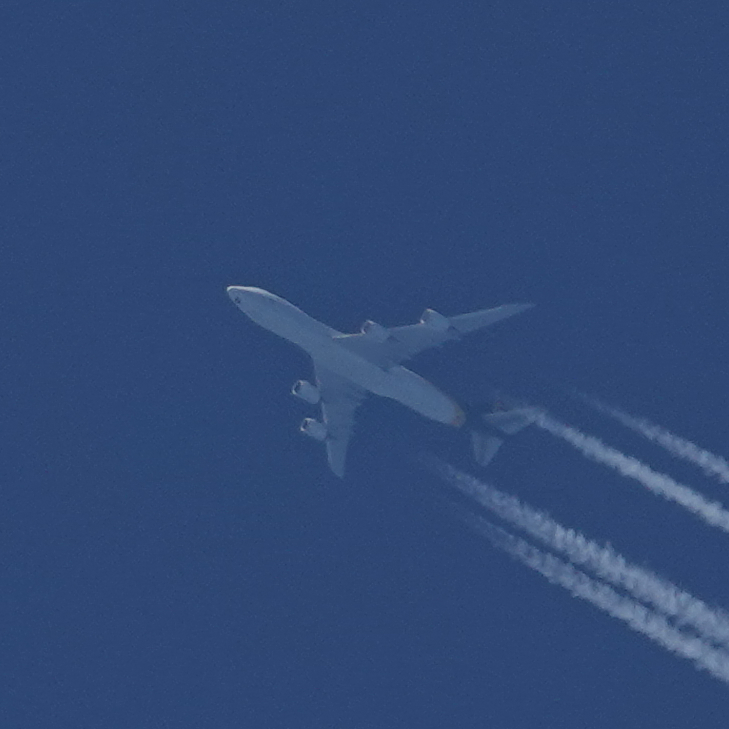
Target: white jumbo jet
[{"x": 348, "y": 366}]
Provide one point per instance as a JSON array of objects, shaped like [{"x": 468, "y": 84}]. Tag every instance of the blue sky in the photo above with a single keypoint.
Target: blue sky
[{"x": 174, "y": 553}]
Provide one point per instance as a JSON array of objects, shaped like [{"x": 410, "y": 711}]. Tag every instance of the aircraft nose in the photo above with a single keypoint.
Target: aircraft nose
[
  {"x": 239, "y": 293},
  {"x": 246, "y": 298}
]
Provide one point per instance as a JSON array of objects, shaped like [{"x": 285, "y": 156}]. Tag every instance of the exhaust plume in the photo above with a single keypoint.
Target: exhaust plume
[
  {"x": 711, "y": 464},
  {"x": 638, "y": 617},
  {"x": 712, "y": 512},
  {"x": 603, "y": 561}
]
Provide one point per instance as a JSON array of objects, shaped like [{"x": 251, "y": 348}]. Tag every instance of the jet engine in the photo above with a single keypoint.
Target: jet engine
[
  {"x": 314, "y": 429},
  {"x": 375, "y": 331},
  {"x": 306, "y": 391},
  {"x": 436, "y": 321}
]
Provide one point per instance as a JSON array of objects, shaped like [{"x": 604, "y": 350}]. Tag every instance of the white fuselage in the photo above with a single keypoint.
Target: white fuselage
[{"x": 320, "y": 342}]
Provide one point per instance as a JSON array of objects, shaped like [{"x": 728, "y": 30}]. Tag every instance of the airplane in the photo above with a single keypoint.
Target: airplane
[{"x": 349, "y": 366}]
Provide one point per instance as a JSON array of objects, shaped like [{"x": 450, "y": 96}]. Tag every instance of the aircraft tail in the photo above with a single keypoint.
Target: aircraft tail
[
  {"x": 510, "y": 421},
  {"x": 484, "y": 443}
]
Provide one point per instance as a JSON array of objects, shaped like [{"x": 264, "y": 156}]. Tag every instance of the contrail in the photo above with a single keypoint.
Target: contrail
[
  {"x": 604, "y": 562},
  {"x": 638, "y": 617},
  {"x": 711, "y": 512},
  {"x": 710, "y": 463}
]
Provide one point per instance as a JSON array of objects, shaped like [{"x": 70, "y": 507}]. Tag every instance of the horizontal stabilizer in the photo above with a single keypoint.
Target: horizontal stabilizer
[
  {"x": 510, "y": 421},
  {"x": 484, "y": 447}
]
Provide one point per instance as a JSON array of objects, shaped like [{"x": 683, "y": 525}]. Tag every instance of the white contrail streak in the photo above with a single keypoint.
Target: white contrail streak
[
  {"x": 711, "y": 512},
  {"x": 638, "y": 617},
  {"x": 710, "y": 463},
  {"x": 603, "y": 561}
]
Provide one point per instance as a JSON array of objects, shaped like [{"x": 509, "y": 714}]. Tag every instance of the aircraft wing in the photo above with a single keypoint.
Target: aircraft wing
[
  {"x": 339, "y": 400},
  {"x": 393, "y": 345}
]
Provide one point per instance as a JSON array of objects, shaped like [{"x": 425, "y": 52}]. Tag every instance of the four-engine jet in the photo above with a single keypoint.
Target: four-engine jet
[{"x": 348, "y": 366}]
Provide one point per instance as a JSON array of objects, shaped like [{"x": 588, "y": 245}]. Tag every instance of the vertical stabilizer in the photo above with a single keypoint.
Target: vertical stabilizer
[{"x": 484, "y": 447}]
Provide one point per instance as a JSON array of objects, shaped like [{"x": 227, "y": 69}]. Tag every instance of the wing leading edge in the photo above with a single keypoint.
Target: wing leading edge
[{"x": 434, "y": 330}]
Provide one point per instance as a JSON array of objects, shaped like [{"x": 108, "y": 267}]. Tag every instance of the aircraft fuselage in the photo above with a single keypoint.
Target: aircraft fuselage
[{"x": 320, "y": 342}]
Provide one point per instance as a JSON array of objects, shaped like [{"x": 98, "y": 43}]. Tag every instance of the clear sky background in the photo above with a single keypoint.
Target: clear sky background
[{"x": 174, "y": 553}]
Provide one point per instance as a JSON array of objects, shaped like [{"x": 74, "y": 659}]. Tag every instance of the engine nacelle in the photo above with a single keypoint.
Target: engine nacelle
[
  {"x": 436, "y": 321},
  {"x": 306, "y": 391},
  {"x": 376, "y": 332},
  {"x": 314, "y": 429}
]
